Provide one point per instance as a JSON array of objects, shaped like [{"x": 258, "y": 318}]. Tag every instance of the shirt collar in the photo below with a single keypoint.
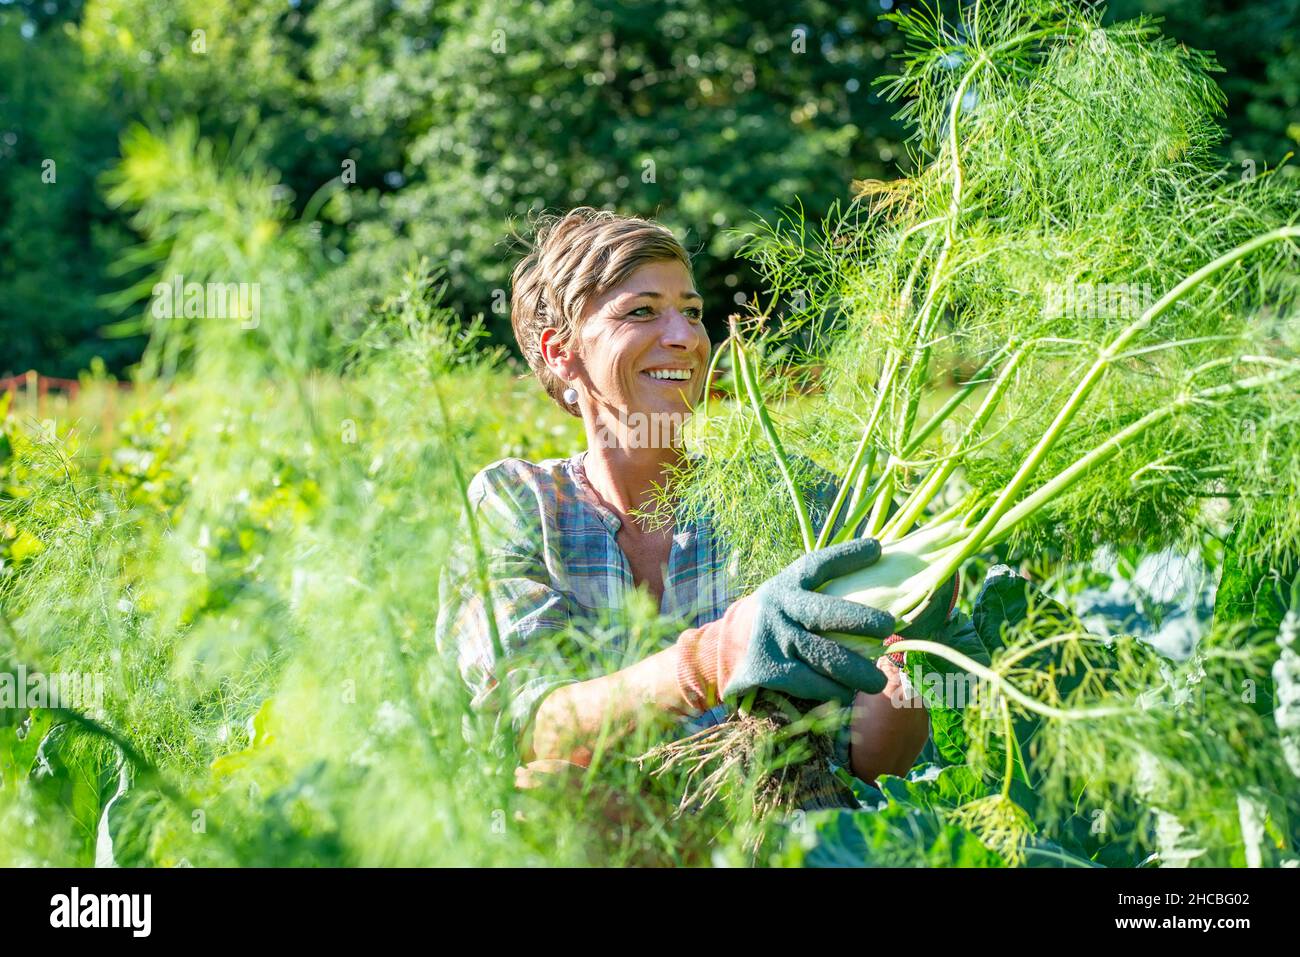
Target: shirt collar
[
  {"x": 589, "y": 496},
  {"x": 611, "y": 521}
]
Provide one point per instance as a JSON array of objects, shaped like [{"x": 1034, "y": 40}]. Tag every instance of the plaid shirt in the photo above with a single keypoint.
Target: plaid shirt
[{"x": 554, "y": 562}]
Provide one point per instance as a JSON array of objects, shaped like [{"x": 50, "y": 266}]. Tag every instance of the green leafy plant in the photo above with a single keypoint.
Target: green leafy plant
[{"x": 980, "y": 383}]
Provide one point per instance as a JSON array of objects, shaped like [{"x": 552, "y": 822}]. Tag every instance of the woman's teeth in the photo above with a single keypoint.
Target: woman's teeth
[{"x": 681, "y": 374}]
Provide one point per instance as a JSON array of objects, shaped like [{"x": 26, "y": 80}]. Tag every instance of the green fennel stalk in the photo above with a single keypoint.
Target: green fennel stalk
[{"x": 1052, "y": 153}]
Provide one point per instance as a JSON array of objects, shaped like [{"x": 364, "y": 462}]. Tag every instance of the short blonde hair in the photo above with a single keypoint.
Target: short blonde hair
[{"x": 574, "y": 259}]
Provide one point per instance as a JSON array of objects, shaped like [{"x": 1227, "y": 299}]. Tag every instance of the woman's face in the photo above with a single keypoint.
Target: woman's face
[{"x": 642, "y": 347}]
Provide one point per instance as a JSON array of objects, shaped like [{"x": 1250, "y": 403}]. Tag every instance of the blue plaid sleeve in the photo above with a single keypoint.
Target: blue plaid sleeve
[{"x": 511, "y": 679}]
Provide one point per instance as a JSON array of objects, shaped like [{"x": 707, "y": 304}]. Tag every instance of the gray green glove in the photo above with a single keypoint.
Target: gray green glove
[{"x": 786, "y": 654}]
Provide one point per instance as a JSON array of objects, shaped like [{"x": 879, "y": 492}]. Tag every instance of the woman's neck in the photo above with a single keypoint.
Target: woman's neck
[{"x": 625, "y": 478}]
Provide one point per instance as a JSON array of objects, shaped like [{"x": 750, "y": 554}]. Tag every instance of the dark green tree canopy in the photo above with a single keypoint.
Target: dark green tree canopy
[{"x": 436, "y": 129}]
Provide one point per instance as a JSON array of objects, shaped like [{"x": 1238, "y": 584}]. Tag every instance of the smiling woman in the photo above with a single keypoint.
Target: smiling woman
[{"x": 607, "y": 315}]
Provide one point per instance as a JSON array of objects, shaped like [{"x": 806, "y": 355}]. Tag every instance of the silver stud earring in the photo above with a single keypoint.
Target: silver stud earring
[{"x": 570, "y": 395}]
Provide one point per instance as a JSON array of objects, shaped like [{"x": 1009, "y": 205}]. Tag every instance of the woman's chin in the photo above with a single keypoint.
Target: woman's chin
[{"x": 660, "y": 401}]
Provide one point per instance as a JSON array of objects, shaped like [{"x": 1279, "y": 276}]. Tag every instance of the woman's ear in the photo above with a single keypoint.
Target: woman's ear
[{"x": 558, "y": 357}]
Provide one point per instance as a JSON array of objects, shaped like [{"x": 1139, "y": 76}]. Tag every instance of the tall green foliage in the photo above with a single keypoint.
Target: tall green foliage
[{"x": 983, "y": 386}]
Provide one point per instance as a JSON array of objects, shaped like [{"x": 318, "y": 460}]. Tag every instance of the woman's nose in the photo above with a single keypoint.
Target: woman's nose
[{"x": 680, "y": 333}]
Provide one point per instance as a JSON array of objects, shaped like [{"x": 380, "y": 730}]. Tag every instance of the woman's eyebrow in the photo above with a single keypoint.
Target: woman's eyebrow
[{"x": 691, "y": 294}]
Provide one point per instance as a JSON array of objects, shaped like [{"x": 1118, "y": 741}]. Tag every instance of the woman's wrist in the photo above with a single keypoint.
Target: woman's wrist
[
  {"x": 707, "y": 656},
  {"x": 572, "y": 716},
  {"x": 696, "y": 670}
]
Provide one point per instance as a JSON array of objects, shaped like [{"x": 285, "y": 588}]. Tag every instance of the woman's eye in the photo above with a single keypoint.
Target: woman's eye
[{"x": 694, "y": 313}]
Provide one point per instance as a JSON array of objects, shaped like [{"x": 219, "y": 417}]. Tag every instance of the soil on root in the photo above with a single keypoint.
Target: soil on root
[{"x": 774, "y": 750}]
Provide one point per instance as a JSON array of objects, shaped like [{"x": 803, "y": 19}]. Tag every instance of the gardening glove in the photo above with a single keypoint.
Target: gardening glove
[{"x": 769, "y": 639}]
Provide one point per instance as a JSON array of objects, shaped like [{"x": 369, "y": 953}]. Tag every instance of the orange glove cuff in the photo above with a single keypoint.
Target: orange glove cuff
[{"x": 706, "y": 656}]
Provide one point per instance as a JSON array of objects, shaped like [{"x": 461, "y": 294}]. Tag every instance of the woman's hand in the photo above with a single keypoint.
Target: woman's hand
[
  {"x": 770, "y": 639},
  {"x": 765, "y": 640}
]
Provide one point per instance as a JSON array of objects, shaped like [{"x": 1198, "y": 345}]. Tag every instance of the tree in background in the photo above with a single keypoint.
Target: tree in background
[
  {"x": 435, "y": 129},
  {"x": 73, "y": 78},
  {"x": 1257, "y": 44},
  {"x": 703, "y": 115},
  {"x": 58, "y": 133}
]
